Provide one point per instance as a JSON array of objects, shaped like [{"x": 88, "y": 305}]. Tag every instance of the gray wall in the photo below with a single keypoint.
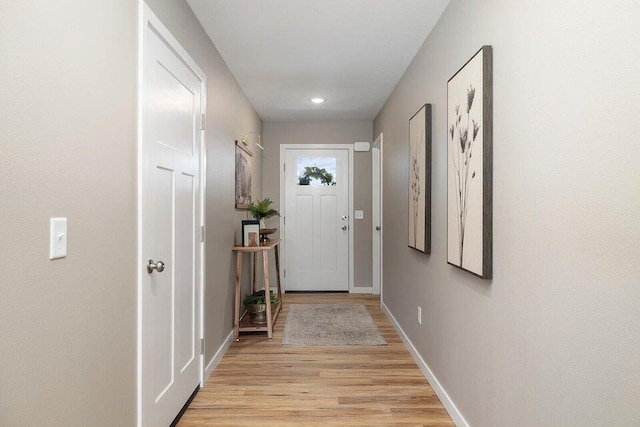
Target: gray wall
[
  {"x": 333, "y": 132},
  {"x": 553, "y": 338},
  {"x": 68, "y": 148}
]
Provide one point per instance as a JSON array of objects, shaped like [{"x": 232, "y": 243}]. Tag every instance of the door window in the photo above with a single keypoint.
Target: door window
[{"x": 316, "y": 171}]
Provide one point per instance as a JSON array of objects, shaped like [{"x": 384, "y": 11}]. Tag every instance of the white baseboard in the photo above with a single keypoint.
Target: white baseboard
[
  {"x": 451, "y": 407},
  {"x": 361, "y": 290},
  {"x": 217, "y": 357}
]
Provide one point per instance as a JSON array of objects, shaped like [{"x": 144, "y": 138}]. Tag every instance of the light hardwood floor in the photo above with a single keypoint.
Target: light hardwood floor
[{"x": 261, "y": 382}]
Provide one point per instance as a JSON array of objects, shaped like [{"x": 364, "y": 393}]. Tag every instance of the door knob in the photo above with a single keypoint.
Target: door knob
[
  {"x": 344, "y": 217},
  {"x": 344, "y": 227},
  {"x": 377, "y": 228},
  {"x": 155, "y": 266}
]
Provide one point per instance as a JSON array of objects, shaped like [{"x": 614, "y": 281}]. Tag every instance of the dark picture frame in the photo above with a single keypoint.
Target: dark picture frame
[
  {"x": 250, "y": 232},
  {"x": 419, "y": 229},
  {"x": 243, "y": 176},
  {"x": 470, "y": 165}
]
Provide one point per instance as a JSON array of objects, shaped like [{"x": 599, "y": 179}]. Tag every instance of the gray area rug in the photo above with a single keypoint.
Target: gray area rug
[{"x": 330, "y": 324}]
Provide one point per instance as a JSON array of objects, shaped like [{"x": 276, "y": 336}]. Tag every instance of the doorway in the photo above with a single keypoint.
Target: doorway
[
  {"x": 171, "y": 156},
  {"x": 316, "y": 187}
]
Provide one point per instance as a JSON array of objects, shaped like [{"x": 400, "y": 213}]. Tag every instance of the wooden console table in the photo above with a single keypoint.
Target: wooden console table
[{"x": 244, "y": 323}]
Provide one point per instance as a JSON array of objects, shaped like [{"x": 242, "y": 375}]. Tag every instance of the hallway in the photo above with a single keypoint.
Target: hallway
[{"x": 262, "y": 382}]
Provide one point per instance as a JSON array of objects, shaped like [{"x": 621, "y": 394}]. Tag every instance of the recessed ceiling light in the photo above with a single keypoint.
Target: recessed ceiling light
[{"x": 317, "y": 100}]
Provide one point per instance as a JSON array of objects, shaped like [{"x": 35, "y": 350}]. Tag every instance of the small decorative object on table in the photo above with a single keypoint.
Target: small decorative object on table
[
  {"x": 261, "y": 210},
  {"x": 264, "y": 233},
  {"x": 250, "y": 232},
  {"x": 256, "y": 304}
]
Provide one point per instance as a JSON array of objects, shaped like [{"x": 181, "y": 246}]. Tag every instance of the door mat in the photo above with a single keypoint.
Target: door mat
[{"x": 330, "y": 325}]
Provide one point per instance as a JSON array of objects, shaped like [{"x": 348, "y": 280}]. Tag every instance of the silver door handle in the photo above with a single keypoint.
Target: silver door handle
[
  {"x": 344, "y": 227},
  {"x": 344, "y": 217},
  {"x": 377, "y": 228},
  {"x": 155, "y": 266}
]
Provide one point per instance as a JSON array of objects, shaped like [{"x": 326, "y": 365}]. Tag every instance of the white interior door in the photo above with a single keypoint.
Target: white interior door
[
  {"x": 376, "y": 172},
  {"x": 170, "y": 225},
  {"x": 316, "y": 219}
]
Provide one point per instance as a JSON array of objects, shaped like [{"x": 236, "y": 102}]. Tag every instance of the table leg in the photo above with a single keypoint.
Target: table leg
[
  {"x": 278, "y": 273},
  {"x": 267, "y": 293},
  {"x": 254, "y": 267},
  {"x": 236, "y": 323}
]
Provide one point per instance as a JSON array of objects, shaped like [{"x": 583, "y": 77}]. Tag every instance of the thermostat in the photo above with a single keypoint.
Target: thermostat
[{"x": 361, "y": 146}]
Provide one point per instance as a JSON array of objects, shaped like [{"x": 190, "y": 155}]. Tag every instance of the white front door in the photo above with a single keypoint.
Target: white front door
[
  {"x": 170, "y": 225},
  {"x": 316, "y": 219}
]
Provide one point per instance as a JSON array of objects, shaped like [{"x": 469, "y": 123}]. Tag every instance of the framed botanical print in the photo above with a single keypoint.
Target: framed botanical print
[
  {"x": 470, "y": 165},
  {"x": 420, "y": 180}
]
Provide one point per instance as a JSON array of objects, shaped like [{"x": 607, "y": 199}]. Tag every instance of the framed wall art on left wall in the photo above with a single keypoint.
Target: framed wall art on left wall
[{"x": 243, "y": 176}]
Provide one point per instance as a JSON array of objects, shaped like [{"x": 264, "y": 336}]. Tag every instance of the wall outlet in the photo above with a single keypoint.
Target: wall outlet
[{"x": 419, "y": 315}]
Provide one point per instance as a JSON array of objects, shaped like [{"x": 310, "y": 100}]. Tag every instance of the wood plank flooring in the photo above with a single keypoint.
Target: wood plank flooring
[{"x": 261, "y": 382}]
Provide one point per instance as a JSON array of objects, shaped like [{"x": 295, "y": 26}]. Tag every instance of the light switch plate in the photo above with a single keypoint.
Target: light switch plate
[
  {"x": 57, "y": 238},
  {"x": 358, "y": 214}
]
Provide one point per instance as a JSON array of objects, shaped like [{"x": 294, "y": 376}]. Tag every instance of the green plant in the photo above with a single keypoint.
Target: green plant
[
  {"x": 262, "y": 209},
  {"x": 258, "y": 298}
]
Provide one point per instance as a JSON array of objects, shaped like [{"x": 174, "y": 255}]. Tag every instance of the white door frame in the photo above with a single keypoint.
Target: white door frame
[
  {"x": 376, "y": 199},
  {"x": 349, "y": 148},
  {"x": 147, "y": 19}
]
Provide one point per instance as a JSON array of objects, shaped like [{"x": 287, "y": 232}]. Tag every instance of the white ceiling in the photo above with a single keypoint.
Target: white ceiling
[{"x": 350, "y": 52}]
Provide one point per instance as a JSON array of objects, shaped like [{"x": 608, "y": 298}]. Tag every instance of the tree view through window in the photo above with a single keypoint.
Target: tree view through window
[{"x": 316, "y": 171}]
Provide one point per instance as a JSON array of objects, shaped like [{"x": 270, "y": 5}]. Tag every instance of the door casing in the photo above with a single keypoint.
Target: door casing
[
  {"x": 376, "y": 200},
  {"x": 349, "y": 148},
  {"x": 147, "y": 19}
]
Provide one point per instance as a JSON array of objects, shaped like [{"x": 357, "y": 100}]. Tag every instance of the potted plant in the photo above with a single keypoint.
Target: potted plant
[
  {"x": 256, "y": 304},
  {"x": 262, "y": 210}
]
